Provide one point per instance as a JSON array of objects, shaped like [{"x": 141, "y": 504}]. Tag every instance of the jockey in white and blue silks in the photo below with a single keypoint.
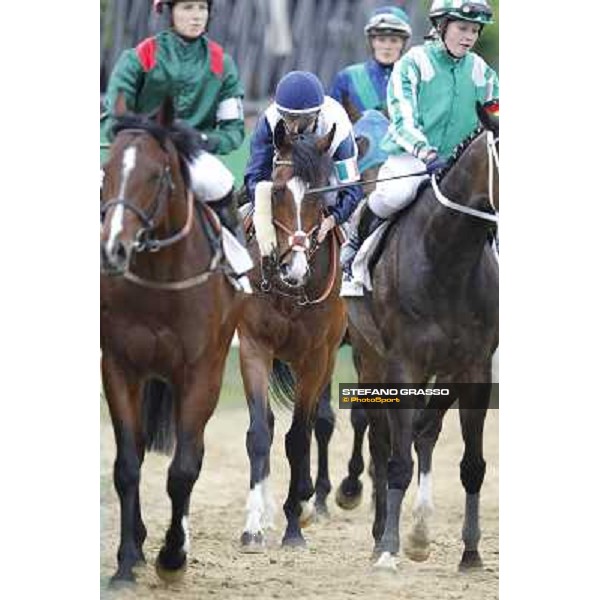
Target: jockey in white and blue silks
[{"x": 301, "y": 103}]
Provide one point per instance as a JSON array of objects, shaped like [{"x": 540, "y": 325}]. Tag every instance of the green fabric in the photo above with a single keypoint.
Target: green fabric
[
  {"x": 432, "y": 100},
  {"x": 364, "y": 87},
  {"x": 182, "y": 70}
]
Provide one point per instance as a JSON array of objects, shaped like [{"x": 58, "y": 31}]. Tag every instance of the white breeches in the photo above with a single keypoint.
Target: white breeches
[
  {"x": 211, "y": 179},
  {"x": 391, "y": 196}
]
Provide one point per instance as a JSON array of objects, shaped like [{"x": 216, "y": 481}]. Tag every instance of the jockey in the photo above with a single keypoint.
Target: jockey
[
  {"x": 432, "y": 105},
  {"x": 364, "y": 84},
  {"x": 301, "y": 103},
  {"x": 207, "y": 93}
]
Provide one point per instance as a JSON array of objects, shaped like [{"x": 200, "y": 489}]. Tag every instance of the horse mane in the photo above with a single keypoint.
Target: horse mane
[
  {"x": 184, "y": 138},
  {"x": 460, "y": 149},
  {"x": 309, "y": 164}
]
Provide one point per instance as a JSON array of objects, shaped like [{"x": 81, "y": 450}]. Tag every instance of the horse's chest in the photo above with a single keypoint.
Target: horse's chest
[{"x": 156, "y": 340}]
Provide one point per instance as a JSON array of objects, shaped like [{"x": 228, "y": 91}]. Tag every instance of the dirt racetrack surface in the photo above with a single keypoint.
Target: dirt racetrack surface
[{"x": 336, "y": 563}]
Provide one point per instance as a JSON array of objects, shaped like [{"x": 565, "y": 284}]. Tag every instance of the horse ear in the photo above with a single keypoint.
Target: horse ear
[
  {"x": 353, "y": 113},
  {"x": 120, "y": 107},
  {"x": 362, "y": 144},
  {"x": 166, "y": 113},
  {"x": 324, "y": 143},
  {"x": 280, "y": 137}
]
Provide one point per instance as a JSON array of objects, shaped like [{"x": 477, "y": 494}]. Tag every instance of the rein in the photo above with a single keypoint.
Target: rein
[{"x": 493, "y": 161}]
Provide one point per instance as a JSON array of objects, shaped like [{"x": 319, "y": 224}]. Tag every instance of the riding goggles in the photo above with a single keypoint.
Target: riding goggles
[
  {"x": 387, "y": 23},
  {"x": 299, "y": 121},
  {"x": 469, "y": 11}
]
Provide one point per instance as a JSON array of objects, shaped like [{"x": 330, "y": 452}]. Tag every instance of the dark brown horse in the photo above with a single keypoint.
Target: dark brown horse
[
  {"x": 433, "y": 313},
  {"x": 291, "y": 328},
  {"x": 167, "y": 313}
]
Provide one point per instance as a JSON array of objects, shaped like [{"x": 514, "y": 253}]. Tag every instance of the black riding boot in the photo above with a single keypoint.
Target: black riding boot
[
  {"x": 367, "y": 224},
  {"x": 226, "y": 209}
]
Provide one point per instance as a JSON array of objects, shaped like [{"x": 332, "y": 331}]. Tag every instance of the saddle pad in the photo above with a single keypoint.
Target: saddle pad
[{"x": 373, "y": 126}]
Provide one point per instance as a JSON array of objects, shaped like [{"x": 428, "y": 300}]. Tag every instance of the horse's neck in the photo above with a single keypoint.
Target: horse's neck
[{"x": 455, "y": 241}]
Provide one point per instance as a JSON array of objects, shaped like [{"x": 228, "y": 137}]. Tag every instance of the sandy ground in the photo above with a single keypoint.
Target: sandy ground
[{"x": 336, "y": 563}]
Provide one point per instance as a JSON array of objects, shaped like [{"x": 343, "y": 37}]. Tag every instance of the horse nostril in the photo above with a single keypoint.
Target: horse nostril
[{"x": 121, "y": 252}]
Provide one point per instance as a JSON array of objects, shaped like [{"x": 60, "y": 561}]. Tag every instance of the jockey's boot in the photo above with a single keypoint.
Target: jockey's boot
[
  {"x": 367, "y": 224},
  {"x": 226, "y": 209}
]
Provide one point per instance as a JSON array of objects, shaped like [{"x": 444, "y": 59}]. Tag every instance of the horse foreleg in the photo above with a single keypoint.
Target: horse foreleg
[
  {"x": 256, "y": 364},
  {"x": 195, "y": 404},
  {"x": 349, "y": 493},
  {"x": 473, "y": 409},
  {"x": 123, "y": 398},
  {"x": 323, "y": 430},
  {"x": 426, "y": 430},
  {"x": 379, "y": 446}
]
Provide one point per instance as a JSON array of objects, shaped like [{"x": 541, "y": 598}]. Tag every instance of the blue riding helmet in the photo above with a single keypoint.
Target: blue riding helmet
[
  {"x": 388, "y": 20},
  {"x": 299, "y": 92}
]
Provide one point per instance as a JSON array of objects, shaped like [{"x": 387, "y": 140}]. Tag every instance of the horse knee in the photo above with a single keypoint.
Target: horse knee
[
  {"x": 324, "y": 428},
  {"x": 472, "y": 473},
  {"x": 358, "y": 418},
  {"x": 184, "y": 472},
  {"x": 400, "y": 472},
  {"x": 126, "y": 472}
]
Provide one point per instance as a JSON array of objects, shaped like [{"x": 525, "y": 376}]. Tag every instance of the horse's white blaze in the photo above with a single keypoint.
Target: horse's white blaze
[
  {"x": 255, "y": 508},
  {"x": 297, "y": 187},
  {"x": 268, "y": 519},
  {"x": 116, "y": 223},
  {"x": 423, "y": 506},
  {"x": 186, "y": 532},
  {"x": 299, "y": 264}
]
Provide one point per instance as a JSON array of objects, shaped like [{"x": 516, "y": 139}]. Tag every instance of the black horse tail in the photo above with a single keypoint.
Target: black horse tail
[
  {"x": 158, "y": 416},
  {"x": 282, "y": 385}
]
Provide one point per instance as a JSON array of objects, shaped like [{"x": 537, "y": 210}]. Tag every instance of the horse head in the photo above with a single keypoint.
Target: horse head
[
  {"x": 300, "y": 162},
  {"x": 142, "y": 173}
]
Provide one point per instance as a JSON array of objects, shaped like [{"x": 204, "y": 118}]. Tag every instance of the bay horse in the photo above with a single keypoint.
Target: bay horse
[
  {"x": 349, "y": 492},
  {"x": 433, "y": 312},
  {"x": 168, "y": 314},
  {"x": 291, "y": 327}
]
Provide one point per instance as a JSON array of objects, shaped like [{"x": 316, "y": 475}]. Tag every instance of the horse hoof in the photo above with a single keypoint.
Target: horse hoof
[
  {"x": 170, "y": 569},
  {"x": 348, "y": 499},
  {"x": 470, "y": 561},
  {"x": 252, "y": 543},
  {"x": 386, "y": 563},
  {"x": 417, "y": 552},
  {"x": 307, "y": 516},
  {"x": 122, "y": 580},
  {"x": 293, "y": 541}
]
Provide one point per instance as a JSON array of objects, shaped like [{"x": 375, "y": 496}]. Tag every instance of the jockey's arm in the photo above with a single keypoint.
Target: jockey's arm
[
  {"x": 339, "y": 87},
  {"x": 260, "y": 163},
  {"x": 403, "y": 108},
  {"x": 346, "y": 169},
  {"x": 229, "y": 131}
]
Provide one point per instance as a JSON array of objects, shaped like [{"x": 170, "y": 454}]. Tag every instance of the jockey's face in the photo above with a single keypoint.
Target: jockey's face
[
  {"x": 302, "y": 123},
  {"x": 387, "y": 48},
  {"x": 461, "y": 36},
  {"x": 190, "y": 18}
]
